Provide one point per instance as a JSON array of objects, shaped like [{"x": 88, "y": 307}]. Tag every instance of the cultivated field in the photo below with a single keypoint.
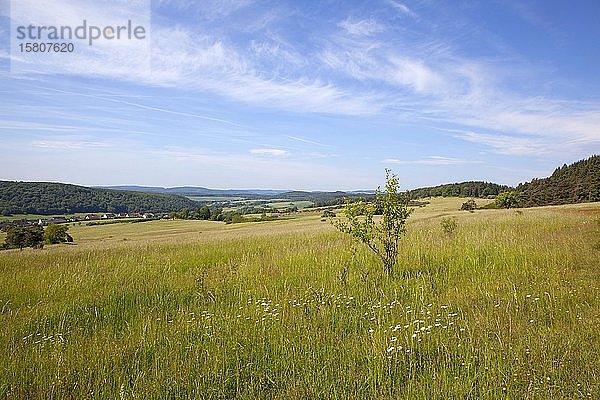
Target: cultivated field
[{"x": 506, "y": 307}]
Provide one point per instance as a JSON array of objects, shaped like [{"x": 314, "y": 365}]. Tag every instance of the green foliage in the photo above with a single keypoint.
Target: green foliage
[
  {"x": 469, "y": 205},
  {"x": 235, "y": 219},
  {"x": 328, "y": 214},
  {"x": 58, "y": 198},
  {"x": 56, "y": 233},
  {"x": 575, "y": 183},
  {"x": 464, "y": 189},
  {"x": 203, "y": 213},
  {"x": 184, "y": 213},
  {"x": 449, "y": 225},
  {"x": 507, "y": 200},
  {"x": 19, "y": 237},
  {"x": 382, "y": 236}
]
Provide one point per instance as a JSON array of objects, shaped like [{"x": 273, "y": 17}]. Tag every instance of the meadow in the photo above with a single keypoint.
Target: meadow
[{"x": 506, "y": 306}]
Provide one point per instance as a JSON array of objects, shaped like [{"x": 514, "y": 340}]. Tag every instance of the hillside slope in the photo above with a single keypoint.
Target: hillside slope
[
  {"x": 59, "y": 198},
  {"x": 575, "y": 183},
  {"x": 463, "y": 189}
]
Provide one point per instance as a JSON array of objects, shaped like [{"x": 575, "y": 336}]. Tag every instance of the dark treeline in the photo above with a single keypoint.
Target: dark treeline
[
  {"x": 464, "y": 189},
  {"x": 58, "y": 198},
  {"x": 575, "y": 183}
]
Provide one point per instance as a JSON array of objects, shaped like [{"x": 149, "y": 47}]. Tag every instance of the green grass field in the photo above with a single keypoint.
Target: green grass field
[
  {"x": 507, "y": 307},
  {"x": 285, "y": 204}
]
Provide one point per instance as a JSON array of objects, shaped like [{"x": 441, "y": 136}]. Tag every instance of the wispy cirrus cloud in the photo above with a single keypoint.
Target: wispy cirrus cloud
[
  {"x": 431, "y": 160},
  {"x": 303, "y": 140},
  {"x": 402, "y": 8},
  {"x": 351, "y": 68},
  {"x": 69, "y": 144},
  {"x": 270, "y": 152},
  {"x": 363, "y": 27}
]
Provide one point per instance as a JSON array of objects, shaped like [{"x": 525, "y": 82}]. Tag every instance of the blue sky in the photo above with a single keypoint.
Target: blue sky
[{"x": 316, "y": 95}]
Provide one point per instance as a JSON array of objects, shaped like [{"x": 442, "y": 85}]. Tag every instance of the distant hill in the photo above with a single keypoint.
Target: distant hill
[
  {"x": 578, "y": 182},
  {"x": 318, "y": 198},
  {"x": 198, "y": 191},
  {"x": 575, "y": 183},
  {"x": 59, "y": 198},
  {"x": 463, "y": 189}
]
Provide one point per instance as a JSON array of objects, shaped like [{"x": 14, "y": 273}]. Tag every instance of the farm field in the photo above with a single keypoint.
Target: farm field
[{"x": 508, "y": 306}]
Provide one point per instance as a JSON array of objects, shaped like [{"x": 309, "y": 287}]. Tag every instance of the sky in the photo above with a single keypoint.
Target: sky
[{"x": 312, "y": 95}]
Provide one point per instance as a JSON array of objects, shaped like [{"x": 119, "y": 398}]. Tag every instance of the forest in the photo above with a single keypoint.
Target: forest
[
  {"x": 575, "y": 183},
  {"x": 58, "y": 198},
  {"x": 463, "y": 189}
]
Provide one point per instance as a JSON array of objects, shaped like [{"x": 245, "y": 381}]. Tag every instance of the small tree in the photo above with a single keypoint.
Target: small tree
[
  {"x": 56, "y": 234},
  {"x": 184, "y": 213},
  {"x": 204, "y": 212},
  {"x": 381, "y": 236},
  {"x": 507, "y": 200}
]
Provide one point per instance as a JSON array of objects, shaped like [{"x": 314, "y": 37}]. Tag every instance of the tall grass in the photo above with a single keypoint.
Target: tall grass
[{"x": 506, "y": 307}]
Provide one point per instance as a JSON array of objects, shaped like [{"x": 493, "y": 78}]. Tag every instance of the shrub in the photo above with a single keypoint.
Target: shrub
[
  {"x": 449, "y": 225},
  {"x": 469, "y": 205},
  {"x": 328, "y": 214}
]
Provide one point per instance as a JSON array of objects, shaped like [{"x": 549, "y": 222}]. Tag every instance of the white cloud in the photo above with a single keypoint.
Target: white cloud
[
  {"x": 364, "y": 75},
  {"x": 275, "y": 52},
  {"x": 365, "y": 27},
  {"x": 510, "y": 145},
  {"x": 299, "y": 139},
  {"x": 69, "y": 144},
  {"x": 414, "y": 73},
  {"x": 270, "y": 152},
  {"x": 431, "y": 160},
  {"x": 403, "y": 8}
]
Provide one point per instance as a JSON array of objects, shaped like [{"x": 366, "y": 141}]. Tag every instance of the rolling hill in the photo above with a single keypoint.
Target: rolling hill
[
  {"x": 58, "y": 198},
  {"x": 575, "y": 183}
]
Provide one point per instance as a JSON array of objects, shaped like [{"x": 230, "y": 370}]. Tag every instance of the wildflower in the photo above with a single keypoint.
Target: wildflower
[{"x": 393, "y": 339}]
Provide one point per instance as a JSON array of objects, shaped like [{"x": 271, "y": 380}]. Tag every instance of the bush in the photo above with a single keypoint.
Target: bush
[
  {"x": 449, "y": 225},
  {"x": 469, "y": 205},
  {"x": 328, "y": 214}
]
